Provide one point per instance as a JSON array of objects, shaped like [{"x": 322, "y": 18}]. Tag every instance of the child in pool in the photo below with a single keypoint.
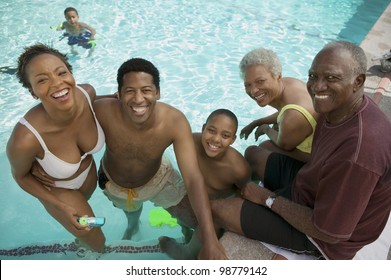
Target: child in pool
[
  {"x": 78, "y": 33},
  {"x": 224, "y": 169}
]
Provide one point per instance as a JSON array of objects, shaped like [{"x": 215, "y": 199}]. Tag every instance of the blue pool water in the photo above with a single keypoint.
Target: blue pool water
[{"x": 197, "y": 45}]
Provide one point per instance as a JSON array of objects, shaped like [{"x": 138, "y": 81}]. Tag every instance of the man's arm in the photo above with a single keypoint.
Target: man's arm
[
  {"x": 92, "y": 93},
  {"x": 188, "y": 165}
]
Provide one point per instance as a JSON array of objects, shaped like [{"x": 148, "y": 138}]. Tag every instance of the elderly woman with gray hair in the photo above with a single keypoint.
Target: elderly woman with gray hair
[{"x": 291, "y": 128}]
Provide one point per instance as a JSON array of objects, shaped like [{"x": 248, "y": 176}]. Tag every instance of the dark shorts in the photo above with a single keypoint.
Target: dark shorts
[
  {"x": 280, "y": 172},
  {"x": 102, "y": 178},
  {"x": 82, "y": 40}
]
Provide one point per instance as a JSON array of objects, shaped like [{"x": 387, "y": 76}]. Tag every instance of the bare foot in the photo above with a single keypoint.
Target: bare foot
[
  {"x": 278, "y": 257},
  {"x": 172, "y": 248}
]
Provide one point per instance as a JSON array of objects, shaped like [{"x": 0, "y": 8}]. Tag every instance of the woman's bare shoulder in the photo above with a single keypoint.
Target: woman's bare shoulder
[
  {"x": 295, "y": 92},
  {"x": 22, "y": 140},
  {"x": 294, "y": 84},
  {"x": 89, "y": 89}
]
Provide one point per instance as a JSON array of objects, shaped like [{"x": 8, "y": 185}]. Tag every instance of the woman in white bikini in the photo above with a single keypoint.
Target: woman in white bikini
[{"x": 60, "y": 134}]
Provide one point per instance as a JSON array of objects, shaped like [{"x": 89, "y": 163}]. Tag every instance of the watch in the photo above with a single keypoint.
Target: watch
[{"x": 270, "y": 200}]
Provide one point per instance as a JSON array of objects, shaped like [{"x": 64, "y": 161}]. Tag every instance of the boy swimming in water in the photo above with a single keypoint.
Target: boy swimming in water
[{"x": 78, "y": 33}]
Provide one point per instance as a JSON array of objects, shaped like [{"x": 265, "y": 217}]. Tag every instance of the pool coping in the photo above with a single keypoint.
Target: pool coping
[{"x": 376, "y": 43}]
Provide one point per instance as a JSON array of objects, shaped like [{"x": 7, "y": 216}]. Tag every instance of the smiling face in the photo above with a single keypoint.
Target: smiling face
[
  {"x": 332, "y": 83},
  {"x": 261, "y": 85},
  {"x": 138, "y": 95},
  {"x": 72, "y": 17},
  {"x": 217, "y": 135},
  {"x": 50, "y": 80}
]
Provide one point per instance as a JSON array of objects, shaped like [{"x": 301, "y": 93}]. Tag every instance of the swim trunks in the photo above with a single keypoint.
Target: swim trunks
[
  {"x": 280, "y": 172},
  {"x": 82, "y": 39},
  {"x": 165, "y": 189}
]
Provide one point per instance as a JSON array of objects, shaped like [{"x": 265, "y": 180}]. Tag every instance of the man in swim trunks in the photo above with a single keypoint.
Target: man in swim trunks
[{"x": 138, "y": 131}]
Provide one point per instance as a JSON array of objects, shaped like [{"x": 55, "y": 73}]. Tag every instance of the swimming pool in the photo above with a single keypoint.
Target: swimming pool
[{"x": 197, "y": 46}]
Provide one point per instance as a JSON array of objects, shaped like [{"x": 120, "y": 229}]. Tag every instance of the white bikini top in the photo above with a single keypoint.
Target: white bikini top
[{"x": 56, "y": 167}]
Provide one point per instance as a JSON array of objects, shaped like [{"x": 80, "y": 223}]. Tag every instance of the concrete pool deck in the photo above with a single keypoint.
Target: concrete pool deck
[
  {"x": 376, "y": 43},
  {"x": 377, "y": 86}
]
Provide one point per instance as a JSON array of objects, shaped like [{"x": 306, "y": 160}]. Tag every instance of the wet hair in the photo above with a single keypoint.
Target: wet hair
[
  {"x": 224, "y": 112},
  {"x": 70, "y": 9},
  {"x": 355, "y": 51},
  {"x": 32, "y": 52},
  {"x": 261, "y": 56},
  {"x": 138, "y": 65}
]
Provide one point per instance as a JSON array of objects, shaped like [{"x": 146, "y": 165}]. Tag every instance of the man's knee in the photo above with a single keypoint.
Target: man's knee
[
  {"x": 249, "y": 152},
  {"x": 226, "y": 214},
  {"x": 254, "y": 154},
  {"x": 267, "y": 145}
]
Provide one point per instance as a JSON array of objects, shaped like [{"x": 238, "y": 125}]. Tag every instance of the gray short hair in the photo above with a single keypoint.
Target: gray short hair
[
  {"x": 261, "y": 56},
  {"x": 355, "y": 51}
]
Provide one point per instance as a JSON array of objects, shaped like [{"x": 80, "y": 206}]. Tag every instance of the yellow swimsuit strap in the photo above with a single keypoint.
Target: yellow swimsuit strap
[{"x": 302, "y": 110}]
